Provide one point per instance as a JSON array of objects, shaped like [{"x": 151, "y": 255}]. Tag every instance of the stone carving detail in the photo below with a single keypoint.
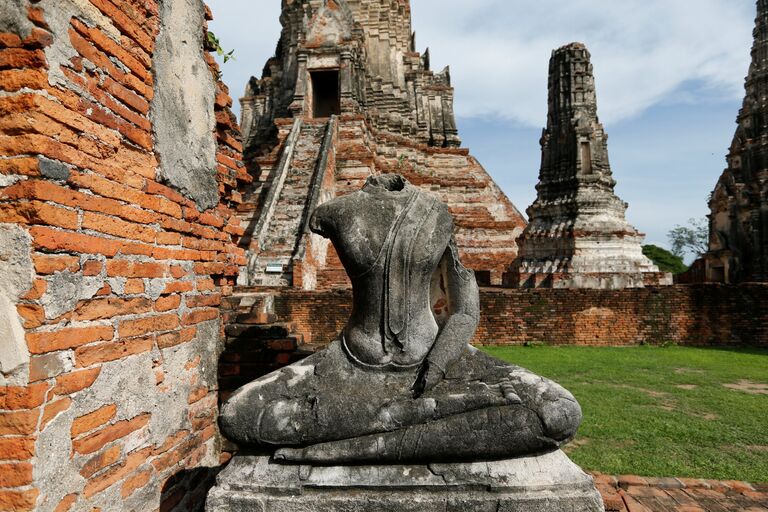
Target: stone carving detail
[
  {"x": 400, "y": 384},
  {"x": 577, "y": 236},
  {"x": 738, "y": 242}
]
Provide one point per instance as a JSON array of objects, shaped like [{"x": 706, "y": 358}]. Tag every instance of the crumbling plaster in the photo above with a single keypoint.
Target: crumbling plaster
[
  {"x": 16, "y": 274},
  {"x": 182, "y": 109}
]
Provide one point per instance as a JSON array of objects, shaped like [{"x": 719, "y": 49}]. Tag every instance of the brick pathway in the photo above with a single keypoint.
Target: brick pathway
[{"x": 637, "y": 494}]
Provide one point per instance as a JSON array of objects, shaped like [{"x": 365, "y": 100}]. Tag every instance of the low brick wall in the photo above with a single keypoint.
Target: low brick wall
[
  {"x": 689, "y": 315},
  {"x": 684, "y": 314}
]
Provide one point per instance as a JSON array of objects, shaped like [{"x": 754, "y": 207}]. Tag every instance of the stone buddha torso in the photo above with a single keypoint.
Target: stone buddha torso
[{"x": 390, "y": 238}]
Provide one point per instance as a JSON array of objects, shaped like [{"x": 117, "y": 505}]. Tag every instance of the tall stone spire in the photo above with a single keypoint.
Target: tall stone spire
[
  {"x": 738, "y": 244},
  {"x": 578, "y": 236}
]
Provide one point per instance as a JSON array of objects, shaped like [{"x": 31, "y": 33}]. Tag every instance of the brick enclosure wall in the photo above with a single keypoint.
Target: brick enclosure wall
[
  {"x": 691, "y": 315},
  {"x": 111, "y": 271}
]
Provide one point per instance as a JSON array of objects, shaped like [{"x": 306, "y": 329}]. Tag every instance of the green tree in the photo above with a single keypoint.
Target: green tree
[
  {"x": 692, "y": 238},
  {"x": 665, "y": 260}
]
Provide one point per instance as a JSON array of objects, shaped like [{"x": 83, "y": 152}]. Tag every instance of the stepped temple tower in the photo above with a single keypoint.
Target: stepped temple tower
[
  {"x": 578, "y": 236},
  {"x": 738, "y": 244},
  {"x": 346, "y": 96}
]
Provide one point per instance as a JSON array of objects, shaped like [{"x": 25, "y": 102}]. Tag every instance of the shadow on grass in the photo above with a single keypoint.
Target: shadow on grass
[{"x": 749, "y": 350}]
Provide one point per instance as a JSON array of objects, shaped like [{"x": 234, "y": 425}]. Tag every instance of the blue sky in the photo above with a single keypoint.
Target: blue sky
[{"x": 669, "y": 75}]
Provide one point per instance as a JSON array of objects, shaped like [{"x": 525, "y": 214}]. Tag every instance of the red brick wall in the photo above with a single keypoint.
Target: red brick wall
[
  {"x": 694, "y": 315},
  {"x": 157, "y": 265}
]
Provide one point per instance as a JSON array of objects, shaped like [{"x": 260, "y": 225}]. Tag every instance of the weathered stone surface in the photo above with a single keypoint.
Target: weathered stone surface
[
  {"x": 182, "y": 110},
  {"x": 53, "y": 169},
  {"x": 548, "y": 483},
  {"x": 577, "y": 236},
  {"x": 738, "y": 233},
  {"x": 482, "y": 408}
]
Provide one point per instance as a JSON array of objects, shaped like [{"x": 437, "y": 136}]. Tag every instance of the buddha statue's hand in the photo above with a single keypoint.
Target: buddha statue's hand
[{"x": 429, "y": 376}]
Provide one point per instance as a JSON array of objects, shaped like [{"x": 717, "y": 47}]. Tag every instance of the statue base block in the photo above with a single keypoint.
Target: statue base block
[{"x": 546, "y": 483}]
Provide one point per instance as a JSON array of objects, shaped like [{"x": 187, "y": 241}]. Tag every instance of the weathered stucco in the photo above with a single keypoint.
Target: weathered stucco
[
  {"x": 182, "y": 110},
  {"x": 110, "y": 278},
  {"x": 16, "y": 273},
  {"x": 58, "y": 15},
  {"x": 14, "y": 19},
  {"x": 395, "y": 115},
  {"x": 578, "y": 235},
  {"x": 738, "y": 220}
]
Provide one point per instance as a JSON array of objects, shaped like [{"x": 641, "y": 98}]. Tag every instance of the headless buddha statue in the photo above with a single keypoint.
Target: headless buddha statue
[{"x": 401, "y": 384}]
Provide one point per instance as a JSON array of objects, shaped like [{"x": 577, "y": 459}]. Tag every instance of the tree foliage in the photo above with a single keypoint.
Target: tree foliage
[
  {"x": 665, "y": 260},
  {"x": 693, "y": 238}
]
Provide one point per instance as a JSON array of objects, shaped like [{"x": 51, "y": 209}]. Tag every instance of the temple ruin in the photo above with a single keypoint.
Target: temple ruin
[
  {"x": 738, "y": 242},
  {"x": 347, "y": 96},
  {"x": 577, "y": 236}
]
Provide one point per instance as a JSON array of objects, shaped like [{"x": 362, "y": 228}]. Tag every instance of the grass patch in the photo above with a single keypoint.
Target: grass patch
[{"x": 674, "y": 411}]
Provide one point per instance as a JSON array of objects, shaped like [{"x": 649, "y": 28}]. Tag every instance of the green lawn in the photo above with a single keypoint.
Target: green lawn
[{"x": 663, "y": 411}]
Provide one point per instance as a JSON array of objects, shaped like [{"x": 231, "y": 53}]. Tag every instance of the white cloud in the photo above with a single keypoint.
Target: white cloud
[{"x": 644, "y": 51}]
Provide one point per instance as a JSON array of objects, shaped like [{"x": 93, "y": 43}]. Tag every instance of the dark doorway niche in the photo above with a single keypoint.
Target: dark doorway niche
[
  {"x": 326, "y": 97},
  {"x": 586, "y": 158}
]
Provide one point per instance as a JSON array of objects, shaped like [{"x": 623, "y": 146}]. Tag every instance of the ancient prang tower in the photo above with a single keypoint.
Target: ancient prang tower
[
  {"x": 578, "y": 236},
  {"x": 345, "y": 97},
  {"x": 738, "y": 244}
]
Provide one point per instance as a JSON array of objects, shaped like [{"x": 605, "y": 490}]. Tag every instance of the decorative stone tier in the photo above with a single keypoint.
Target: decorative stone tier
[{"x": 547, "y": 483}]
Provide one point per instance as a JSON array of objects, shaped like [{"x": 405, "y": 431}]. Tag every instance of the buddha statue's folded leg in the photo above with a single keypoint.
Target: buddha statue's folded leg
[
  {"x": 486, "y": 434},
  {"x": 281, "y": 411},
  {"x": 539, "y": 416}
]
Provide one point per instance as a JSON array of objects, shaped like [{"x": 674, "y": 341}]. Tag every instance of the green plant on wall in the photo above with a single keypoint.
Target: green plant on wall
[{"x": 214, "y": 45}]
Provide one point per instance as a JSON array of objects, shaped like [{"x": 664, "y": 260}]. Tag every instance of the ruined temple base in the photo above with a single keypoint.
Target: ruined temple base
[{"x": 547, "y": 483}]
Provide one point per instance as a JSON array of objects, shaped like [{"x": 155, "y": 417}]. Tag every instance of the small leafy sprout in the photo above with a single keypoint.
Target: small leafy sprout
[{"x": 215, "y": 45}]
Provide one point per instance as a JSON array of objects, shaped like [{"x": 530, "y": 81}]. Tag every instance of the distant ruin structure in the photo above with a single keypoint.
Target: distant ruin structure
[
  {"x": 347, "y": 96},
  {"x": 738, "y": 242},
  {"x": 578, "y": 236}
]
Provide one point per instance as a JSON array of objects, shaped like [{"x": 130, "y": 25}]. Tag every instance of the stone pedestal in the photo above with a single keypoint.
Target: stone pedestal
[{"x": 547, "y": 483}]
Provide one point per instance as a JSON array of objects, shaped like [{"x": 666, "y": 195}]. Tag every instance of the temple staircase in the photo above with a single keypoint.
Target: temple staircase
[{"x": 283, "y": 214}]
